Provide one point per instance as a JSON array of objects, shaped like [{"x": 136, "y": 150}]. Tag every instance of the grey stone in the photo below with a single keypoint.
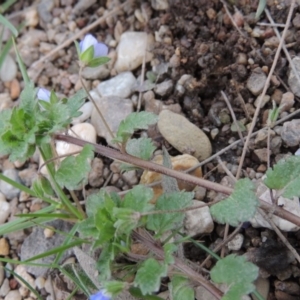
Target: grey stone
[
  {"x": 236, "y": 243},
  {"x": 291, "y": 132},
  {"x": 101, "y": 72},
  {"x": 114, "y": 109},
  {"x": 183, "y": 135},
  {"x": 36, "y": 243},
  {"x": 28, "y": 176},
  {"x": 160, "y": 4},
  {"x": 13, "y": 295},
  {"x": 256, "y": 81},
  {"x": 8, "y": 190},
  {"x": 1, "y": 273},
  {"x": 8, "y": 69},
  {"x": 44, "y": 10},
  {"x": 164, "y": 88},
  {"x": 292, "y": 79},
  {"x": 120, "y": 85},
  {"x": 95, "y": 176},
  {"x": 5, "y": 288}
]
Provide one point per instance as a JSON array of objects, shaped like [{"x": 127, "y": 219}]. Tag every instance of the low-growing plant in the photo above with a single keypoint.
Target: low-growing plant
[{"x": 110, "y": 222}]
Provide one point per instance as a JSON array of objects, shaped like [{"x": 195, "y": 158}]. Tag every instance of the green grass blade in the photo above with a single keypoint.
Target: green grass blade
[
  {"x": 38, "y": 215},
  {"x": 20, "y": 224},
  {"x": 21, "y": 65},
  {"x": 25, "y": 189},
  {"x": 6, "y": 5},
  {"x": 54, "y": 251},
  {"x": 9, "y": 25}
]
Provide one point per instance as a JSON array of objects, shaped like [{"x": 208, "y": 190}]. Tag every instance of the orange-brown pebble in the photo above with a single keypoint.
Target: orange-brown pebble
[
  {"x": 179, "y": 163},
  {"x": 15, "y": 89}
]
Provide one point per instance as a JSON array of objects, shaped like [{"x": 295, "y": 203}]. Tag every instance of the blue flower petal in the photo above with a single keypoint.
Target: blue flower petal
[
  {"x": 100, "y": 49},
  {"x": 43, "y": 94},
  {"x": 101, "y": 295},
  {"x": 87, "y": 42}
]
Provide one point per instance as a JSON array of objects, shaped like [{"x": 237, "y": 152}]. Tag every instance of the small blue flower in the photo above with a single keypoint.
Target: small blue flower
[
  {"x": 101, "y": 295},
  {"x": 100, "y": 49},
  {"x": 43, "y": 94}
]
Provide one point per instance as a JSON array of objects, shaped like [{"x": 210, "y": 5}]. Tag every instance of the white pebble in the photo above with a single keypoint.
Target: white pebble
[
  {"x": 21, "y": 271},
  {"x": 86, "y": 110},
  {"x": 236, "y": 243},
  {"x": 4, "y": 209},
  {"x": 199, "y": 220},
  {"x": 13, "y": 295}
]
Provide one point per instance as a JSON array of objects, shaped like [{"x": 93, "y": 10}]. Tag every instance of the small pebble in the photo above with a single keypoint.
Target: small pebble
[
  {"x": 4, "y": 247},
  {"x": 236, "y": 243},
  {"x": 13, "y": 295},
  {"x": 15, "y": 89}
]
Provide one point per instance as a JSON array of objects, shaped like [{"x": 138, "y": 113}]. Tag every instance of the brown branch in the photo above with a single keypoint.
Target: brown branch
[{"x": 148, "y": 165}]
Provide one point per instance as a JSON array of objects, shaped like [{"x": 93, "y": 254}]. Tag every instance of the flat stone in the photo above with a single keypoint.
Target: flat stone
[
  {"x": 120, "y": 85},
  {"x": 198, "y": 221},
  {"x": 262, "y": 154},
  {"x": 290, "y": 133},
  {"x": 114, "y": 109},
  {"x": 100, "y": 72},
  {"x": 160, "y": 4},
  {"x": 42, "y": 244},
  {"x": 21, "y": 271},
  {"x": 256, "y": 81},
  {"x": 183, "y": 135},
  {"x": 95, "y": 176},
  {"x": 131, "y": 50}
]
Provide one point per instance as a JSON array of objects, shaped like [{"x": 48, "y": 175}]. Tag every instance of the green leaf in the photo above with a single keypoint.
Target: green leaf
[
  {"x": 138, "y": 199},
  {"x": 73, "y": 171},
  {"x": 104, "y": 262},
  {"x": 87, "y": 55},
  {"x": 114, "y": 287},
  {"x": 180, "y": 288},
  {"x": 240, "y": 206},
  {"x": 28, "y": 98},
  {"x": 148, "y": 276},
  {"x": 169, "y": 250},
  {"x": 75, "y": 102},
  {"x": 138, "y": 294},
  {"x": 96, "y": 62},
  {"x": 126, "y": 221},
  {"x": 285, "y": 176},
  {"x": 42, "y": 187},
  {"x": 133, "y": 122},
  {"x": 142, "y": 148},
  {"x": 237, "y": 273},
  {"x": 261, "y": 6},
  {"x": 166, "y": 221}
]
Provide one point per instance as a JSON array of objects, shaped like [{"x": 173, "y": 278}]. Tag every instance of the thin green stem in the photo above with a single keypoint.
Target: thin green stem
[
  {"x": 46, "y": 152},
  {"x": 95, "y": 105}
]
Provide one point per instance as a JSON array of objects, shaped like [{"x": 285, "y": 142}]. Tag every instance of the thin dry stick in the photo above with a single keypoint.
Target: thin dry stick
[
  {"x": 286, "y": 52},
  {"x": 232, "y": 115},
  {"x": 281, "y": 236},
  {"x": 95, "y": 105},
  {"x": 237, "y": 142},
  {"x": 270, "y": 25},
  {"x": 80, "y": 33},
  {"x": 265, "y": 88},
  {"x": 148, "y": 165},
  {"x": 142, "y": 77}
]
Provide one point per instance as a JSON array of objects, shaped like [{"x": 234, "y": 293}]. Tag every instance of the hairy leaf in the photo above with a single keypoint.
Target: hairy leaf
[
  {"x": 133, "y": 122},
  {"x": 138, "y": 199},
  {"x": 240, "y": 206},
  {"x": 142, "y": 148},
  {"x": 166, "y": 221},
  {"x": 74, "y": 170},
  {"x": 285, "y": 176},
  {"x": 148, "y": 276},
  {"x": 180, "y": 288},
  {"x": 237, "y": 273}
]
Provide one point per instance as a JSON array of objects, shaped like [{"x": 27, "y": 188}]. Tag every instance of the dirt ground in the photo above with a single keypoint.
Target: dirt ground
[{"x": 206, "y": 55}]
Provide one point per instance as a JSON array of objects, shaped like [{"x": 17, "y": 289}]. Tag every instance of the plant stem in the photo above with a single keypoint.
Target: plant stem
[
  {"x": 148, "y": 165},
  {"x": 149, "y": 242},
  {"x": 95, "y": 105}
]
